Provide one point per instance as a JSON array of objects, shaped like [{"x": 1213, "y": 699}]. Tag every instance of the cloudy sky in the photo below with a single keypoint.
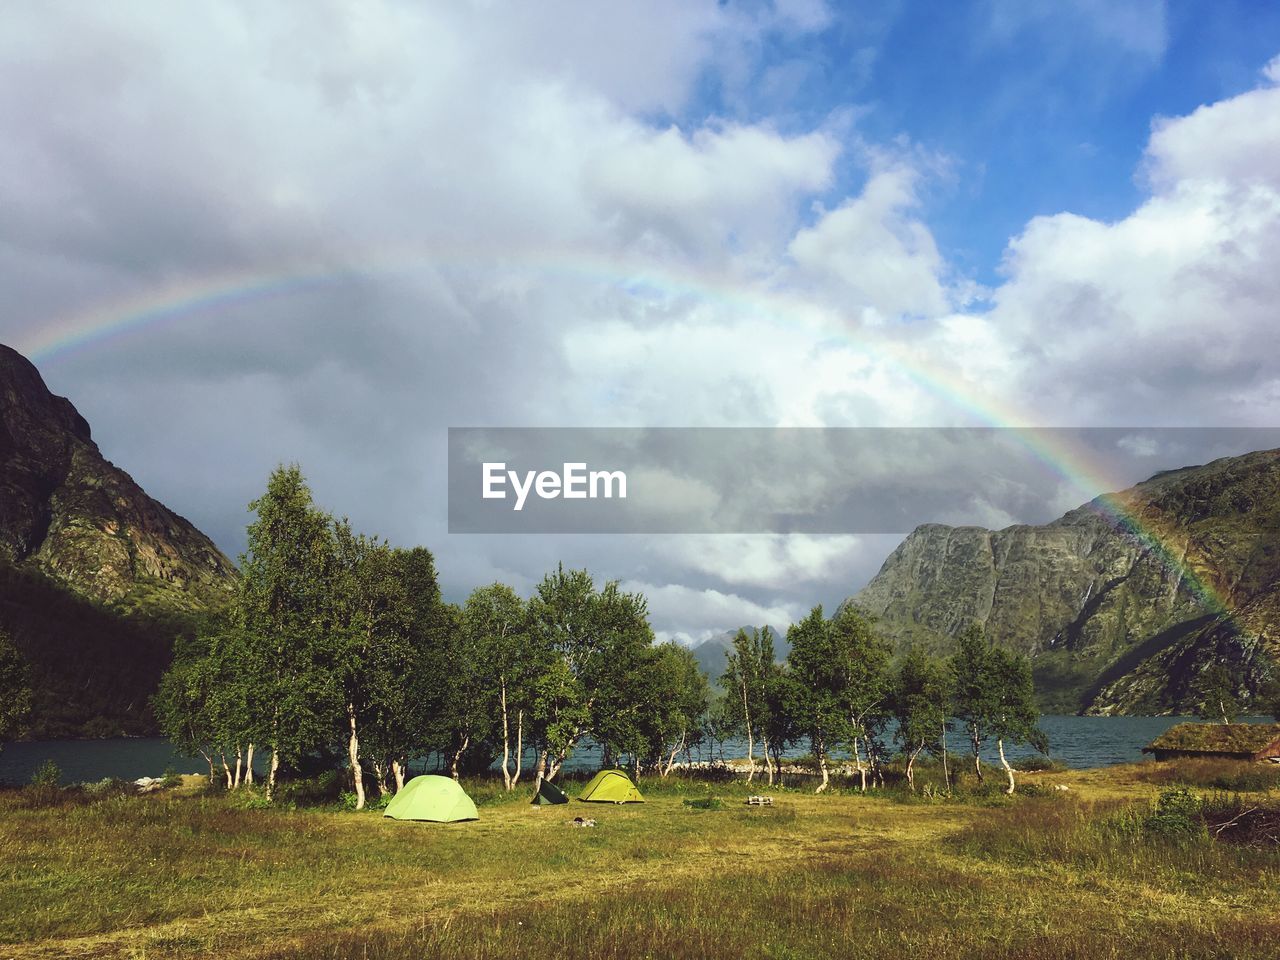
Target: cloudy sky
[{"x": 237, "y": 234}]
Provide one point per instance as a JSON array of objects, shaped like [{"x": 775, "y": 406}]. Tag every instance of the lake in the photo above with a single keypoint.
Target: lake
[{"x": 1075, "y": 741}]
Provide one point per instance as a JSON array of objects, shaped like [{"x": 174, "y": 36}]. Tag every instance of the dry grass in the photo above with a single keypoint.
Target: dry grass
[{"x": 838, "y": 875}]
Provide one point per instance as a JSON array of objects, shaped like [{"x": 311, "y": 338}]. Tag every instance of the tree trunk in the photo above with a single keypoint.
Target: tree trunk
[
  {"x": 226, "y": 769},
  {"x": 235, "y": 783},
  {"x": 506, "y": 737},
  {"x": 671, "y": 760},
  {"x": 822, "y": 765},
  {"x": 1005, "y": 763},
  {"x": 248, "y": 766},
  {"x": 457, "y": 756},
  {"x": 353, "y": 753},
  {"x": 541, "y": 773},
  {"x": 515, "y": 778},
  {"x": 911, "y": 761},
  {"x": 271, "y": 773},
  {"x": 977, "y": 758},
  {"x": 946, "y": 769},
  {"x": 380, "y": 778},
  {"x": 398, "y": 772},
  {"x": 209, "y": 760},
  {"x": 751, "y": 746},
  {"x": 857, "y": 762},
  {"x": 768, "y": 762}
]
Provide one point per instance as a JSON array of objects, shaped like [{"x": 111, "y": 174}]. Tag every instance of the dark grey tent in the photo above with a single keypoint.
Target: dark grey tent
[{"x": 549, "y": 793}]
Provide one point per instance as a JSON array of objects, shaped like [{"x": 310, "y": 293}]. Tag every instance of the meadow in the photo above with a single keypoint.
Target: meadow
[{"x": 1127, "y": 862}]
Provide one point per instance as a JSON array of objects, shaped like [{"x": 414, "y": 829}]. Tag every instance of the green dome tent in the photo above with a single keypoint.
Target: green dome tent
[
  {"x": 549, "y": 793},
  {"x": 432, "y": 798},
  {"x": 610, "y": 786}
]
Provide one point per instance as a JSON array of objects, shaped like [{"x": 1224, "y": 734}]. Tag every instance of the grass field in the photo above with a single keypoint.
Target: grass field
[{"x": 1057, "y": 874}]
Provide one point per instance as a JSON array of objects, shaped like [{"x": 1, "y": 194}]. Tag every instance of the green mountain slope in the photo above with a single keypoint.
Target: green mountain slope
[{"x": 1112, "y": 625}]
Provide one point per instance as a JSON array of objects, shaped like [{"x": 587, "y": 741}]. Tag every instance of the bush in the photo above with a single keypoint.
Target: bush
[
  {"x": 1039, "y": 764},
  {"x": 246, "y": 797},
  {"x": 322, "y": 788},
  {"x": 705, "y": 803},
  {"x": 47, "y": 775},
  {"x": 1177, "y": 817},
  {"x": 109, "y": 787},
  {"x": 171, "y": 778}
]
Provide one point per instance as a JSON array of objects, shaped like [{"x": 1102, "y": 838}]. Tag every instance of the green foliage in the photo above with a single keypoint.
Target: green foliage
[
  {"x": 1214, "y": 694},
  {"x": 840, "y": 687},
  {"x": 704, "y": 803},
  {"x": 47, "y": 775},
  {"x": 592, "y": 642},
  {"x": 90, "y": 668},
  {"x": 15, "y": 689},
  {"x": 921, "y": 696},
  {"x": 993, "y": 694},
  {"x": 1176, "y": 817}
]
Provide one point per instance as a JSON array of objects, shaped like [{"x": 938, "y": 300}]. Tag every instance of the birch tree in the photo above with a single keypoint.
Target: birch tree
[
  {"x": 1013, "y": 708},
  {"x": 497, "y": 620},
  {"x": 748, "y": 668},
  {"x": 862, "y": 666},
  {"x": 821, "y": 687},
  {"x": 972, "y": 690},
  {"x": 284, "y": 611},
  {"x": 920, "y": 700},
  {"x": 369, "y": 630},
  {"x": 587, "y": 641},
  {"x": 675, "y": 699}
]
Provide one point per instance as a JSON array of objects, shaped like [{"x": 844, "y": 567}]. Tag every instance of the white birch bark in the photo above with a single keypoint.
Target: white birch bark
[
  {"x": 271, "y": 774},
  {"x": 1005, "y": 763},
  {"x": 353, "y": 753}
]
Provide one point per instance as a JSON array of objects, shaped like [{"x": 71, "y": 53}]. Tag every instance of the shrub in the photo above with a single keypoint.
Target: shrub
[
  {"x": 319, "y": 789},
  {"x": 171, "y": 778},
  {"x": 1177, "y": 817},
  {"x": 46, "y": 775},
  {"x": 1039, "y": 764},
  {"x": 705, "y": 803}
]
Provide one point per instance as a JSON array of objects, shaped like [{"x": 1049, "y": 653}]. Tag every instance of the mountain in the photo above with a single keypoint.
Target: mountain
[
  {"x": 75, "y": 516},
  {"x": 713, "y": 653},
  {"x": 96, "y": 577},
  {"x": 1110, "y": 612}
]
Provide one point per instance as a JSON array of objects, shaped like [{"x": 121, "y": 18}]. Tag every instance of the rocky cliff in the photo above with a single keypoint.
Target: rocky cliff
[
  {"x": 96, "y": 577},
  {"x": 1119, "y": 615},
  {"x": 67, "y": 511}
]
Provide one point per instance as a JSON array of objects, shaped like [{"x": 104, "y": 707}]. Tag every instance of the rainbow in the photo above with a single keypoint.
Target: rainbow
[{"x": 195, "y": 296}]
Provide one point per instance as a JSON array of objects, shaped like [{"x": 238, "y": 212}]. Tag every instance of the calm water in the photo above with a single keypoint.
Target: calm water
[{"x": 1075, "y": 741}]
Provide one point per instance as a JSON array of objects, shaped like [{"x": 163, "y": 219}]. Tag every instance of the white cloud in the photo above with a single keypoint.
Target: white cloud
[
  {"x": 872, "y": 252},
  {"x": 1152, "y": 318},
  {"x": 676, "y": 608}
]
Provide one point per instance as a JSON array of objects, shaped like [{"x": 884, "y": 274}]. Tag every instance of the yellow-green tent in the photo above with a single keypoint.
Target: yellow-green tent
[
  {"x": 432, "y": 798},
  {"x": 611, "y": 786}
]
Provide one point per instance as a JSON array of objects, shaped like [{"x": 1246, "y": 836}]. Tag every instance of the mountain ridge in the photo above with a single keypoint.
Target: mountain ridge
[{"x": 1089, "y": 599}]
